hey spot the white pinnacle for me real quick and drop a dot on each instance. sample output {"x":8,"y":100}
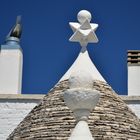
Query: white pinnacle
{"x":80,"y":97}
{"x":84,"y":31}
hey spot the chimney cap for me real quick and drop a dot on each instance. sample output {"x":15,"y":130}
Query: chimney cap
{"x":133,"y":51}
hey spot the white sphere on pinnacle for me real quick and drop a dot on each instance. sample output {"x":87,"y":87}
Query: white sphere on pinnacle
{"x":83,"y":15}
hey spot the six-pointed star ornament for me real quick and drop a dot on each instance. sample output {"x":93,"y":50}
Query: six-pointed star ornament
{"x":84,"y":32}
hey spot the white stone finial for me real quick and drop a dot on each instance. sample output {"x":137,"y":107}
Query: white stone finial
{"x":84,"y":31}
{"x":81,"y":98}
{"x":84,"y":15}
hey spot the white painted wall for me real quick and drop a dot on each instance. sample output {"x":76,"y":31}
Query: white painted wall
{"x":12,"y":113}
{"x":10,"y":71}
{"x":135,"y":108}
{"x":133,"y":80}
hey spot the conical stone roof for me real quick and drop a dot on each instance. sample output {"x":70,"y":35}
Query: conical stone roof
{"x":51,"y":119}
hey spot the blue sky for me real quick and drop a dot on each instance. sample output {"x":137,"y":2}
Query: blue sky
{"x":48,"y":53}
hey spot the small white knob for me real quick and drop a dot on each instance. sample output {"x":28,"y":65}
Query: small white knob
{"x":83,"y":15}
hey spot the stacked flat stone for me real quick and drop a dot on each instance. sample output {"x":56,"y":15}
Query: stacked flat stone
{"x":51,"y":119}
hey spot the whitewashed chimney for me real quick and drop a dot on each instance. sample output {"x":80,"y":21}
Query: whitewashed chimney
{"x":11,"y":60}
{"x":133,"y":62}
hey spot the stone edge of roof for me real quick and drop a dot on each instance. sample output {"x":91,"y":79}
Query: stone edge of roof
{"x":40,"y":96}
{"x":21,"y":96}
